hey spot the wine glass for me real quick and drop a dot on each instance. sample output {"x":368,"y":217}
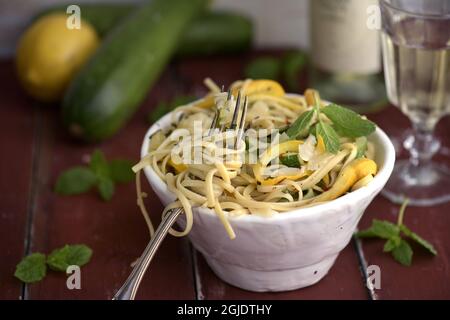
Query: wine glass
{"x":416,"y":54}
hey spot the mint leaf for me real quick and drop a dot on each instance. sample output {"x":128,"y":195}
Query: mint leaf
{"x":75,"y":181}
{"x":313,"y":130}
{"x":392,"y":243}
{"x":329,"y":136}
{"x":399,"y":248}
{"x":380,"y":229}
{"x":100,"y":173}
{"x":403,"y":253}
{"x":368,"y":233}
{"x":347,"y":122}
{"x":361,"y":147}
{"x":106,"y":188}
{"x":418,"y":239}
{"x":60,"y":259}
{"x":32,"y":268}
{"x":300,"y":128}
{"x":385,"y":229}
{"x":263,"y":68}
{"x":121,"y":170}
{"x":99,"y":165}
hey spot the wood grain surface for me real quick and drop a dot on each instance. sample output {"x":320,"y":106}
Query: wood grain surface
{"x":35,"y":149}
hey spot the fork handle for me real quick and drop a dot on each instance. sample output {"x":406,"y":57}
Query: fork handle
{"x":131,"y":285}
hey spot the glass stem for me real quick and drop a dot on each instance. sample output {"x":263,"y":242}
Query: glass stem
{"x":422,"y":145}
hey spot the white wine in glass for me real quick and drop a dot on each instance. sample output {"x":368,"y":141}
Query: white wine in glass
{"x":416,"y":53}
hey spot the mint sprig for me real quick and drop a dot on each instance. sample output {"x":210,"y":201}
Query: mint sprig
{"x":396,"y":236}
{"x":347,"y":122}
{"x":342,"y":122}
{"x":33,"y":268}
{"x":100,"y":173}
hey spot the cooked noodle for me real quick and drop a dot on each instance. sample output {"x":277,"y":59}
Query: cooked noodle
{"x":225,"y":181}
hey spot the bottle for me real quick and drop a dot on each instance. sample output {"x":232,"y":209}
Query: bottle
{"x":346,"y":54}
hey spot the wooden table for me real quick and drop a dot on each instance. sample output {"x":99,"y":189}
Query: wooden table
{"x":35,"y":149}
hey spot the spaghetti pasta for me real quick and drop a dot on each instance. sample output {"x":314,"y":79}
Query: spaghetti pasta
{"x":226,"y":180}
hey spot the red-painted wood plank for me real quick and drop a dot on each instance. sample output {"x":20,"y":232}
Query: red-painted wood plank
{"x":344,"y":281}
{"x":428,"y":277}
{"x":17,"y":124}
{"x":115,"y":230}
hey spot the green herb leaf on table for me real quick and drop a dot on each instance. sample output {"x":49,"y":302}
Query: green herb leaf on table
{"x":106,"y":188}
{"x":392,"y":243}
{"x":99,"y":165}
{"x":299,"y":129}
{"x":347,"y":122}
{"x":403,"y":253}
{"x":60,"y":259}
{"x":418,"y":239}
{"x":380,"y":229}
{"x":398,"y":246}
{"x":32,"y":268}
{"x":75,"y":181}
{"x":99,"y":173}
{"x":329,"y":136}
{"x":263,"y":68}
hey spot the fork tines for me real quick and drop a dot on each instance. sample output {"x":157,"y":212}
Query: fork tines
{"x":239,"y":114}
{"x":241,"y":130}
{"x":234,"y":120}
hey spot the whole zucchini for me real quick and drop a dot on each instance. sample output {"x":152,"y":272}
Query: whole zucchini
{"x":108,"y":90}
{"x":210,"y":33}
{"x":216,"y":32}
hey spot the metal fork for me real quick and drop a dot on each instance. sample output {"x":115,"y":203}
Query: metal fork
{"x":129,"y":288}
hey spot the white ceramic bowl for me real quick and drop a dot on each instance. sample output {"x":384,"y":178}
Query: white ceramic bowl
{"x":287,"y":251}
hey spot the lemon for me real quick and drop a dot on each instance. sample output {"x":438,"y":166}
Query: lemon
{"x":49,"y":54}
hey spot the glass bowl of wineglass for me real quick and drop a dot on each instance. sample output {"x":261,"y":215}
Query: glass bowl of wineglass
{"x":416,"y":54}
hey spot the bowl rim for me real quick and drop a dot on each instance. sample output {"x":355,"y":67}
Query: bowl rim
{"x":378,"y":182}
